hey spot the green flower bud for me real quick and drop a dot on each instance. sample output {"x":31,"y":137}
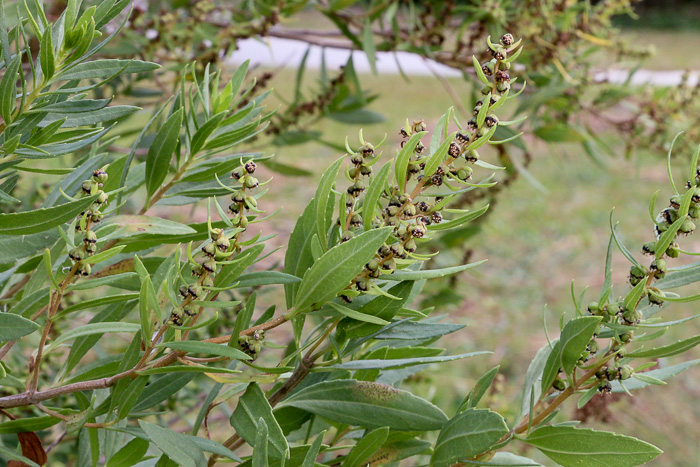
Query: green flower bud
{"x":190,"y":310}
{"x":209,"y":249}
{"x":419,"y":125}
{"x":90,"y":237}
{"x":251,"y":182}
{"x":235,"y":208}
{"x":215,"y":234}
{"x":365,"y":170}
{"x":237,"y":173}
{"x":352,"y":172}
{"x":491,"y":120}
{"x":486,"y":90}
{"x":593,"y":347}
{"x":102,"y":198}
{"x":675,"y":201}
{"x":96,"y":218}
{"x":631,"y":316}
{"x":76,"y":254}
{"x":84,"y":269}
{"x":694,"y":212}
{"x":362,"y":285}
{"x":250,"y":167}
{"x":626,"y":337}
{"x":398,"y":251}
{"x":251,"y":201}
{"x":593,"y":308}
{"x":409,"y":210}
{"x":357,"y":159}
{"x":410,"y":246}
{"x":183,"y":291}
{"x":356,"y":220}
{"x":208,"y":282}
{"x":673,"y":251}
{"x":347,"y":235}
{"x":100,"y":175}
{"x":605,"y":387}
{"x":649,"y":248}
{"x":87,"y":186}
{"x":653,"y":299}
{"x":389,"y":265}
{"x":195,"y":290}
{"x":625,"y":372}
{"x":243,"y":221}
{"x":559,"y":384}
{"x":611,"y":373}
{"x":222,"y":243}
{"x":176,"y":318}
{"x":687,"y":227}
{"x":391,"y":211}
{"x":417,"y":230}
{"x":209,"y":266}
{"x":471,"y":156}
{"x":91,"y":248}
{"x":237,"y":197}
{"x":465,"y":173}
{"x":658,"y":268}
{"x":373,"y":264}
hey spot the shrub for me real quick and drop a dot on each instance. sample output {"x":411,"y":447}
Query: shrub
{"x":185,"y":296}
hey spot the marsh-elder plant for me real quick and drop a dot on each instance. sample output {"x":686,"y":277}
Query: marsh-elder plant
{"x":132,"y":339}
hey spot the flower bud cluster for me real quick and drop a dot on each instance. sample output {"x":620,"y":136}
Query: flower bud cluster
{"x":251,"y":345}
{"x":620,"y":314}
{"x":411,"y":212}
{"x":90,"y":187}
{"x":241,"y":201}
{"x":221,"y":245}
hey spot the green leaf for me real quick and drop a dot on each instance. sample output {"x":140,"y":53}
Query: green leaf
{"x":382,"y":307}
{"x":578,"y":447}
{"x":403,"y":158}
{"x":368,"y":45}
{"x":481,"y":387}
{"x":298,"y":258}
{"x":406,"y":275}
{"x":377,"y":364}
{"x":14,"y":326}
{"x":679,"y":278}
{"x":133,"y":226}
{"x":312,"y":453}
{"x":661,"y":374}
{"x":368,"y":404}
{"x":532,"y":390}
{"x":336,"y":268}
{"x":46,"y":55}
{"x":367,"y":446}
{"x":28,"y":424}
{"x":161,"y":152}
{"x":666,"y":350}
{"x":176,"y":446}
{"x":412,"y":330}
{"x":356,"y":315}
{"x":259,"y":458}
{"x":92,"y":328}
{"x":207,"y":348}
{"x":480,"y":71}
{"x":438,"y":157}
{"x":574,"y":338}
{"x":323,"y":193}
{"x":253,"y":406}
{"x":130,"y":454}
{"x":258,"y":278}
{"x":458,"y":221}
{"x":105,"y":69}
{"x":162,"y":389}
{"x":8,"y":89}
{"x":204,"y":132}
{"x":467,"y":435}
{"x":147,"y":297}
{"x":372,"y":195}
{"x":105,"y":255}
{"x":39,"y":220}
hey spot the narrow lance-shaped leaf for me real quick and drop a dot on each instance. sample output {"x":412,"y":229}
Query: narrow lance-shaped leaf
{"x":253,"y":406}
{"x":467,"y":435}
{"x":368,"y":404}
{"x":39,"y":220}
{"x":336,"y":268}
{"x":161,"y":151}
{"x":374,"y":191}
{"x":576,"y":447}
